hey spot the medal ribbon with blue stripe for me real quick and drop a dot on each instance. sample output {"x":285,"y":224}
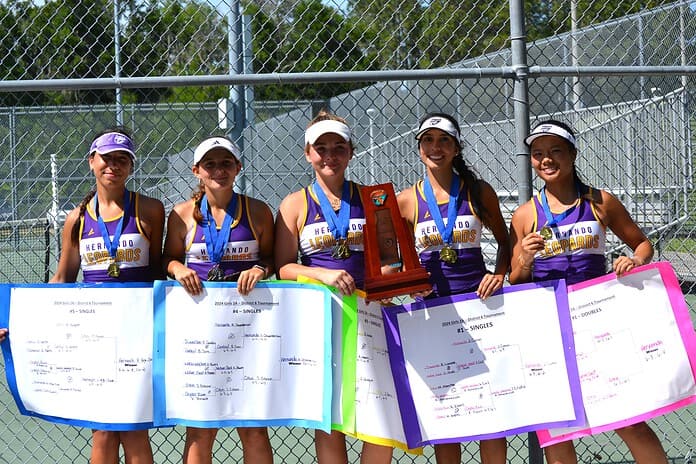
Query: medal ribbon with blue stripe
{"x":338,"y":224}
{"x":215,"y":240}
{"x":553,"y":219}
{"x":445,"y":230}
{"x":112,"y":244}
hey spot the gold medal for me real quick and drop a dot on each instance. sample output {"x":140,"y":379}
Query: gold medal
{"x":113,"y":270}
{"x":546,"y":233}
{"x":216,"y":274}
{"x":448,"y":255}
{"x":340,"y":250}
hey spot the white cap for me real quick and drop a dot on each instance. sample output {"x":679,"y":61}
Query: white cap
{"x":327,"y":126}
{"x":438,"y":122}
{"x":212,"y":143}
{"x":550,"y":129}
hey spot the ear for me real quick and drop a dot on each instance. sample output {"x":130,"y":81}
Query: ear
{"x":194,"y":170}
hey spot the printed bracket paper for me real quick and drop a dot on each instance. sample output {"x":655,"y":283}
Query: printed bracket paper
{"x":80,"y":354}
{"x":468,"y":369}
{"x":225,"y":359}
{"x":377,"y":416}
{"x":344,"y":334}
{"x":636,"y":349}
{"x":355,"y":371}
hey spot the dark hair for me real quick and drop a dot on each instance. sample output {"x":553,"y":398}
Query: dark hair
{"x":582,"y":186}
{"x":75,"y":232}
{"x":467,"y":174}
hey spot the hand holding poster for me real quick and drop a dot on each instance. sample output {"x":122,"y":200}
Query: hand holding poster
{"x":636,"y":349}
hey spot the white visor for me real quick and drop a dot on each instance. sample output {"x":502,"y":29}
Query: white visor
{"x":438,"y":122}
{"x":327,"y":126}
{"x":550,"y":129}
{"x":212,"y":143}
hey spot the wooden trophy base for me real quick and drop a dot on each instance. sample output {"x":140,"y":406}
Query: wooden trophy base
{"x":401,"y":283}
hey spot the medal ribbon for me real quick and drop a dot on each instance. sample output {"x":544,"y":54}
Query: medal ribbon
{"x":215,"y":240}
{"x":553,"y":219}
{"x":445,"y":231}
{"x":338,"y":224}
{"x":112,"y":244}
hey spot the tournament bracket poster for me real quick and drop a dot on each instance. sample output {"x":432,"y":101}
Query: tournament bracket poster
{"x":80,"y":354}
{"x":636,"y":349}
{"x":472,"y":369}
{"x":226,"y":359}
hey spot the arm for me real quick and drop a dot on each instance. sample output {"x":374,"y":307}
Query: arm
{"x":175,"y":249}
{"x":620,"y":222}
{"x":69,"y":262}
{"x":262,"y":220}
{"x":525,"y":244}
{"x":287,"y":236}
{"x":492,"y":282}
{"x":151,"y":216}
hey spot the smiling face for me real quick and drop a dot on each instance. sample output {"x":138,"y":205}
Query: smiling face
{"x":217,"y":169}
{"x":437,"y":149}
{"x":329,"y":155}
{"x":552,"y":158}
{"x":111,"y":169}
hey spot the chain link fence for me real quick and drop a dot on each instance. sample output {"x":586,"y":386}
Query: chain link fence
{"x":176,"y":71}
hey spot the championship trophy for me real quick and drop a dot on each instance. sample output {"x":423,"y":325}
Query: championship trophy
{"x":389,"y":244}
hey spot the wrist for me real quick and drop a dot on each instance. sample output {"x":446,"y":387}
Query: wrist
{"x":263,"y":269}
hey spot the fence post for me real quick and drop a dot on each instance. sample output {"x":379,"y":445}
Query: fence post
{"x":518,"y":46}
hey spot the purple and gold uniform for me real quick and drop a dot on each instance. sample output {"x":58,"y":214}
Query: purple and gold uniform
{"x":316,"y":240}
{"x":241,"y":251}
{"x":132,"y":256}
{"x":466,"y":273}
{"x":576,"y":250}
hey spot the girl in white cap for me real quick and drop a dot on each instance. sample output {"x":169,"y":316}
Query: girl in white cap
{"x":204,"y":235}
{"x":565,"y":204}
{"x":127,"y":228}
{"x":323,"y":223}
{"x":451,"y":250}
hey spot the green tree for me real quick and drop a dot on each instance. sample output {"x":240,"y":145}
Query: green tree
{"x":311,"y":37}
{"x":176,"y":37}
{"x":13,"y":61}
{"x":70,"y":39}
{"x":454,"y":31}
{"x":387,"y":32}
